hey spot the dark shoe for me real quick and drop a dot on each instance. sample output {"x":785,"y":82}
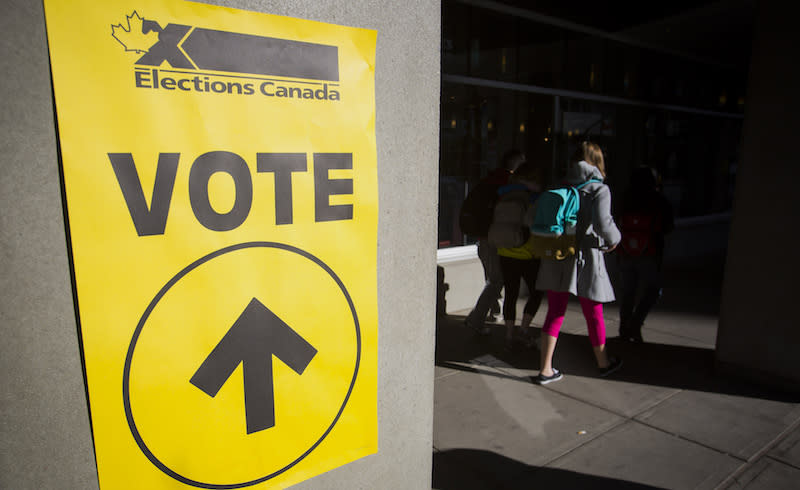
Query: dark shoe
{"x":543,"y":380}
{"x":635,"y":334}
{"x":614,"y":364}
{"x":635,"y":337}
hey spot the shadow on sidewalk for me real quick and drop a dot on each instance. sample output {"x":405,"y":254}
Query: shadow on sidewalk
{"x":672,"y":366}
{"x":691,"y":287}
{"x":472,"y":469}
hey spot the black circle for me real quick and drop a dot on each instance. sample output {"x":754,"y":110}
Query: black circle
{"x":127,"y":371}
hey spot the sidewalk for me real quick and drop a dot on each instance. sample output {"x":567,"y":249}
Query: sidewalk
{"x":665,"y":420}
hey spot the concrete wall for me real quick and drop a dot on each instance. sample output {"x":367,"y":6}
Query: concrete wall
{"x":758,"y":330}
{"x":45,"y":438}
{"x":463,"y":274}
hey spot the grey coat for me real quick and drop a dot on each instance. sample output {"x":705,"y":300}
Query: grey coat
{"x":584,"y":274}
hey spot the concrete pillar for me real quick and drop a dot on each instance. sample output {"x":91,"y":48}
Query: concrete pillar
{"x":45,"y":436}
{"x":759,"y":329}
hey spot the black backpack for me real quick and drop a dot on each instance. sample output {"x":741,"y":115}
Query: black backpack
{"x":477,"y":209}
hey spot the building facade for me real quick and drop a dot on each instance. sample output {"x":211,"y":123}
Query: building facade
{"x":532,"y":77}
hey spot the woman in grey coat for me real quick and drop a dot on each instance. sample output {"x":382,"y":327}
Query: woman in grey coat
{"x":583,"y":274}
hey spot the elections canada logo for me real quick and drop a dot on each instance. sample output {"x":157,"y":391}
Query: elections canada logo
{"x":185,"y":58}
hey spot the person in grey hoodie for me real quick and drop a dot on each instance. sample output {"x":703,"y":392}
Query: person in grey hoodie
{"x":583,"y":274}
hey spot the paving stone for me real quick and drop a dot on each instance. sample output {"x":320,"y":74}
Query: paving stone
{"x":441,"y":372}
{"x":639,"y":454}
{"x":788,"y":450}
{"x":767,"y":474}
{"x":471,"y":469}
{"x":738,"y":425}
{"x":698,"y":327}
{"x":655,"y":336}
{"x":463,"y":312}
{"x":621,"y":397}
{"x":475,"y":469}
{"x":690,"y":427}
{"x":642,"y":382}
{"x":511,"y":417}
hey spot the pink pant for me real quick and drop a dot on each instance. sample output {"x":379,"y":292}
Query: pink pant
{"x":592,"y":312}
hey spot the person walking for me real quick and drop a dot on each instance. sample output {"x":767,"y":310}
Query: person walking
{"x":645,"y":220}
{"x":511,"y":225}
{"x":475,"y":219}
{"x":583,"y":274}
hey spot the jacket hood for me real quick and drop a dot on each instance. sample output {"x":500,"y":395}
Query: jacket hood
{"x":582,"y":171}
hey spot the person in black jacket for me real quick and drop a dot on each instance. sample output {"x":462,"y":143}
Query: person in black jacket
{"x":645,"y":220}
{"x":488,"y":299}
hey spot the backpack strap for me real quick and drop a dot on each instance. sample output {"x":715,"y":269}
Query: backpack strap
{"x":580,"y":186}
{"x":580,"y":239}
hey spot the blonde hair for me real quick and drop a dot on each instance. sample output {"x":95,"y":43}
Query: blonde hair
{"x":591,"y":154}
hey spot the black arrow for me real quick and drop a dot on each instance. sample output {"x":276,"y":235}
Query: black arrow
{"x":254,"y":338}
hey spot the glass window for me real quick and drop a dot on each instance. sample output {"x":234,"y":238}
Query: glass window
{"x":455,"y":38}
{"x":493,"y":46}
{"x":696,"y":156}
{"x":541,"y":54}
{"x":585,"y":62}
{"x":478,"y":126}
{"x":535,"y":130}
{"x":581,"y":120}
{"x":656,"y":77}
{"x":622,"y":70}
{"x":700,"y":85}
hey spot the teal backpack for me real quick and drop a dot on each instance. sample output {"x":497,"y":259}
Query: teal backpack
{"x":554,"y":221}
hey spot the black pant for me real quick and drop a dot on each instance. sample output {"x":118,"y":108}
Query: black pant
{"x":513,"y":271}
{"x":641,"y":288}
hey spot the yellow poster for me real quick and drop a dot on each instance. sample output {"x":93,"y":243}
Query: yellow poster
{"x":220,"y":175}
